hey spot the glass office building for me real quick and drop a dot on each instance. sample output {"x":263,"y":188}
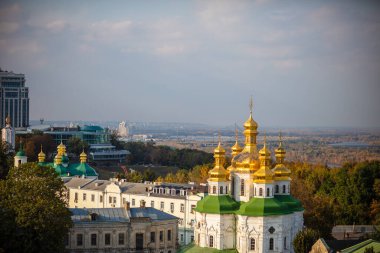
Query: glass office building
{"x":14,"y":99}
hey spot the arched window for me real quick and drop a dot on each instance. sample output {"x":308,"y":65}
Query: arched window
{"x":242,"y":187}
{"x":277,"y":188}
{"x":261,"y":192}
{"x":268,"y":192}
{"x":252,"y":244}
{"x":271,"y":244}
{"x":232,"y":186}
{"x":284,"y":242}
{"x":226,"y":189}
{"x":211,"y":241}
{"x":214,"y":189}
{"x":221,"y":190}
{"x":283,"y":189}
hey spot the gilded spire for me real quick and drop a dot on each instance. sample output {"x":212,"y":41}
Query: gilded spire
{"x":83,"y":157}
{"x":61,"y":149}
{"x":236,"y":149}
{"x":250,"y":131}
{"x":218,"y":173}
{"x":280,"y":171}
{"x":264,"y":174}
{"x":41,"y":156}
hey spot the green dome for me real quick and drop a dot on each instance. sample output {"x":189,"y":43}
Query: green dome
{"x":65,"y":159}
{"x":20,"y":153}
{"x":223,"y":204}
{"x":293,"y":204}
{"x":263,"y":207}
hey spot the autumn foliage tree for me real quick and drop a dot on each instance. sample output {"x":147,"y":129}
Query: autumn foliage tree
{"x":33,"y":215}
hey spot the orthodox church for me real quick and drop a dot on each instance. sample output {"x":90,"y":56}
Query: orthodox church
{"x":61,"y":163}
{"x":248,"y":207}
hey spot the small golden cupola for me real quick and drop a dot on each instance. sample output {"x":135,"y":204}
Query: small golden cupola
{"x":41,"y":156}
{"x":250,"y":131}
{"x":83,"y":157}
{"x":280,"y":171}
{"x":264,"y":174}
{"x":218,"y":173}
{"x":61,"y":149}
{"x":236,"y":149}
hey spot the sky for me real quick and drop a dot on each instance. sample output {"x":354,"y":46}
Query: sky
{"x":305,"y":63}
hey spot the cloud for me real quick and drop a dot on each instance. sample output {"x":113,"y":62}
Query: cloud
{"x":10,"y":12}
{"x":56,"y":25}
{"x":9,"y":27}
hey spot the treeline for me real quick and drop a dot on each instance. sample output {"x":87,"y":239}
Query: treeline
{"x":340,"y":196}
{"x":148,"y":153}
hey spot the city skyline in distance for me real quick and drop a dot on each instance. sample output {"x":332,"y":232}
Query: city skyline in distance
{"x":305,"y":64}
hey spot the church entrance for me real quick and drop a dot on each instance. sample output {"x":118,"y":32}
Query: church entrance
{"x":139,"y":241}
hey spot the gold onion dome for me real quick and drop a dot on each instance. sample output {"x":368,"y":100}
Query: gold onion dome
{"x":281,"y":172}
{"x":236,"y":149}
{"x":58,"y":159}
{"x":264,"y":174}
{"x":218,"y":173}
{"x":83,"y":157}
{"x":61,"y":148}
{"x":41,"y":156}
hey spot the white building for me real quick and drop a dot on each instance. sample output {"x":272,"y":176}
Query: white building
{"x":249,"y":207}
{"x":175,"y":199}
{"x":8,"y":133}
{"x":122,"y":131}
{"x":141,"y":229}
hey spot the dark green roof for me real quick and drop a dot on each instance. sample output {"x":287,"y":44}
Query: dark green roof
{"x":87,"y":128}
{"x":293,"y":204}
{"x":360,"y":247}
{"x":65,"y":159}
{"x":75,"y":169}
{"x":217,"y":204}
{"x":263,"y":207}
{"x":20,"y":153}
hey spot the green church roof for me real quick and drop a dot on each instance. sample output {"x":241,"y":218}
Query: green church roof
{"x":263,"y":207}
{"x":293,"y":204}
{"x":20,"y":153}
{"x":74,"y":169}
{"x":361,"y":247}
{"x":223,"y":204}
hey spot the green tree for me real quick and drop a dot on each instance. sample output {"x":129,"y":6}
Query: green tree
{"x":369,"y":250}
{"x":135,"y":177}
{"x":149,"y":175}
{"x":76,"y":145}
{"x":33,"y":215}
{"x":304,"y":240}
{"x":6,"y":159}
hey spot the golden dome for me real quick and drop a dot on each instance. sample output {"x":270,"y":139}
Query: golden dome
{"x":250,"y":123}
{"x":236,"y":149}
{"x":41,"y":156}
{"x":58,"y":159}
{"x":61,"y":148}
{"x":83,"y":157}
{"x":264,"y":174}
{"x":280,"y":171}
{"x":218,"y":173}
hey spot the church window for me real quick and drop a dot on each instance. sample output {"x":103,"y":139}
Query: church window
{"x":211,"y":243}
{"x":271,"y":244}
{"x":253,"y":244}
{"x":84,"y":196}
{"x":261,"y":192}
{"x":268,"y":192}
{"x":283,"y":189}
{"x":79,"y":239}
{"x":255,"y":191}
{"x":214,"y":189}
{"x":233,"y":186}
{"x":101,"y":199}
{"x":221,"y":190}
{"x":199,"y":238}
{"x":277,"y":189}
{"x":226,"y":189}
{"x":242,"y":187}
{"x":284,"y":242}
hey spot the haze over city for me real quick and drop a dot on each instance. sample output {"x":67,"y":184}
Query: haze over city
{"x":306,"y":64}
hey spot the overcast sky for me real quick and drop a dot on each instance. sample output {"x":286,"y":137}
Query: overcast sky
{"x":306,"y":63}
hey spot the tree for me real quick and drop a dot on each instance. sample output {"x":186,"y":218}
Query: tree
{"x":6,"y":159}
{"x":76,"y":145}
{"x":33,"y":215}
{"x":304,"y":240}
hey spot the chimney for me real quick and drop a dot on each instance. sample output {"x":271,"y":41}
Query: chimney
{"x":142,"y":203}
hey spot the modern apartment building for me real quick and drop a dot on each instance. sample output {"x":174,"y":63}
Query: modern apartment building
{"x":14,"y":99}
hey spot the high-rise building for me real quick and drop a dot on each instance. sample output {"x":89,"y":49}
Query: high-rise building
{"x":14,"y":99}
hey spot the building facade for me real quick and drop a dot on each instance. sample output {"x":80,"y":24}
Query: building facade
{"x":14,"y":99}
{"x":141,"y":229}
{"x":175,"y":199}
{"x":249,"y":207}
{"x":8,"y":133}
